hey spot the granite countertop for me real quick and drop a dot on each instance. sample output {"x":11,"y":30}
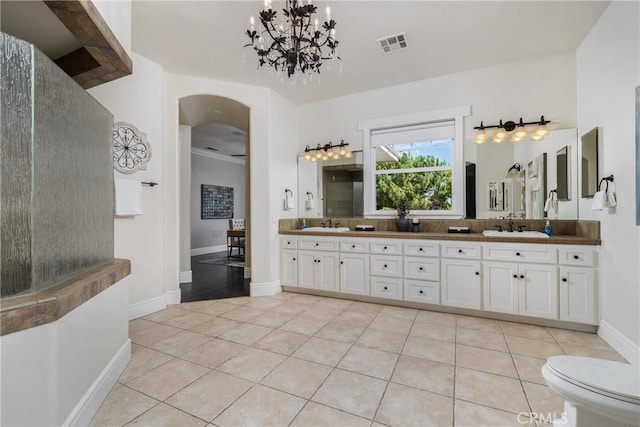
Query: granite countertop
{"x":470,"y":237}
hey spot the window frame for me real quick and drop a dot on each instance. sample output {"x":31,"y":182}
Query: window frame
{"x":456,"y":115}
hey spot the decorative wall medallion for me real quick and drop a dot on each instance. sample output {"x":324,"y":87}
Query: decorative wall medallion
{"x":131,"y":151}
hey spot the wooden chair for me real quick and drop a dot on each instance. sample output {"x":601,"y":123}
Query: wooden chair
{"x":235,"y":237}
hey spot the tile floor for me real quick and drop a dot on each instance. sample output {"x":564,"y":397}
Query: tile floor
{"x":302,"y":360}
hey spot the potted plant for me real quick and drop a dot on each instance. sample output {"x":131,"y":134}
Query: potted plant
{"x":402,"y":223}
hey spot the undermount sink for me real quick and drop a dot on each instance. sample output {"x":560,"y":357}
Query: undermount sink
{"x":521,"y":234}
{"x":327,"y":229}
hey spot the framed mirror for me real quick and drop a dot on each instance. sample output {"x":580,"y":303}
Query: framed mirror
{"x":589,"y":162}
{"x":563,"y":174}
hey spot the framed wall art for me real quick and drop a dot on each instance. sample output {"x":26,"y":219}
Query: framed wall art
{"x":217,"y":202}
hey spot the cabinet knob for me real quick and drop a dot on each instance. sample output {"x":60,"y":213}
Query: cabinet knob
{"x":385,"y":288}
{"x":517,"y":253}
{"x":317,"y":244}
{"x":459,"y":251}
{"x":421,"y":292}
{"x":341,"y":262}
{"x":522,"y":276}
{"x":385,"y":248}
{"x":564,"y":279}
{"x":318,"y":261}
{"x":385,"y":266}
{"x":420,"y":250}
{"x":421,"y":269}
{"x":294,"y":259}
{"x":353,"y":246}
{"x":515,"y":276}
{"x":477,"y":273}
{"x":576,"y":257}
{"x":288,"y":243}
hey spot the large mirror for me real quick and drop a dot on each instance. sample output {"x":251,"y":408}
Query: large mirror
{"x":333,"y":188}
{"x":589,"y":164}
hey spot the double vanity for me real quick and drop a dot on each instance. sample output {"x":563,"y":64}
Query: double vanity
{"x":512,"y":276}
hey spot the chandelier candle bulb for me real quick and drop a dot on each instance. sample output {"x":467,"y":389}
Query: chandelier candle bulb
{"x":328,"y":10}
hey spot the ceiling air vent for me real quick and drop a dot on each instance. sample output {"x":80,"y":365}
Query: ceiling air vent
{"x":393,"y":43}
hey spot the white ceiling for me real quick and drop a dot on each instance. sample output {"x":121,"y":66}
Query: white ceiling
{"x":206,"y":38}
{"x":224,"y":139}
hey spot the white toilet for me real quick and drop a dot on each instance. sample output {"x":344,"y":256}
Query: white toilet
{"x":597,"y":392}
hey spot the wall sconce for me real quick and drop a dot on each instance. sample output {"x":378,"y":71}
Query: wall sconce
{"x":327,"y":151}
{"x":517,"y":131}
{"x":515,"y":171}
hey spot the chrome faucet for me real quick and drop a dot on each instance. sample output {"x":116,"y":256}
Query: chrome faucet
{"x":329,"y":222}
{"x":510,"y":229}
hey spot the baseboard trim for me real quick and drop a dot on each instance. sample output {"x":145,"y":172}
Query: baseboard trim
{"x":265,"y":289}
{"x":174,"y":297}
{"x":208,"y":250}
{"x":87,"y":407}
{"x":620,"y":343}
{"x":186,"y":276}
{"x":149,"y":306}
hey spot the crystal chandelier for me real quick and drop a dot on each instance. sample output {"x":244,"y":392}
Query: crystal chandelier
{"x":294,"y":43}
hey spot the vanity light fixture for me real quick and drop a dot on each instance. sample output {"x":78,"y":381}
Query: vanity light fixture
{"x":516,"y":130}
{"x":327,"y":151}
{"x":515,"y":171}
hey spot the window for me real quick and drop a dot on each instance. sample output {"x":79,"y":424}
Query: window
{"x":419,"y":159}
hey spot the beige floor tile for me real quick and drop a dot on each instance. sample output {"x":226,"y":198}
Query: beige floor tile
{"x":314,"y":414}
{"x":582,"y":339}
{"x":334,"y":303}
{"x":527,"y":347}
{"x":526,"y":331}
{"x":242,"y":313}
{"x":319,"y":350}
{"x":217,"y":308}
{"x":304,"y":325}
{"x":542,"y":399}
{"x":187,"y":320}
{"x":321,"y":313}
{"x":424,"y":348}
{"x":480,"y":359}
{"x":142,"y":360}
{"x":341,"y":330}
{"x":138,"y":325}
{"x":272,"y":319}
{"x":357,"y":317}
{"x":437,"y":318}
{"x":261,"y":406}
{"x":469,"y":414}
{"x":575,"y":350}
{"x":406,"y":406}
{"x":166,"y":416}
{"x":263,"y":303}
{"x":369,"y":361}
{"x":196,"y":305}
{"x":392,"y":324}
{"x":166,"y":314}
{"x":252,"y":364}
{"x":246,"y":333}
{"x":121,"y":406}
{"x":209,"y":395}
{"x":350,"y":392}
{"x":399,"y":312}
{"x":479,"y":324}
{"x":381,"y":340}
{"x":297,"y":377}
{"x":180,"y":343}
{"x":424,"y":329}
{"x":167,"y":379}
{"x":305,"y":299}
{"x":530,"y":368}
{"x":490,"y":390}
{"x":291,"y":307}
{"x":283,"y":342}
{"x":213,"y":353}
{"x":476,"y":338}
{"x":424,"y":374}
{"x":365,"y":307}
{"x":238,"y":300}
{"x":153,"y":334}
{"x":216,"y":326}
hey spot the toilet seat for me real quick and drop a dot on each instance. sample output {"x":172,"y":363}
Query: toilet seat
{"x":612,"y":379}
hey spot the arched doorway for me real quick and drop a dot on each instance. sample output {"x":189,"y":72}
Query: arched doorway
{"x":214,"y":188}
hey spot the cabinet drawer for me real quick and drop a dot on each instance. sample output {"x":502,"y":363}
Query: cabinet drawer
{"x":386,"y":247}
{"x":386,"y":287}
{"x":318,"y":244}
{"x":418,"y":248}
{"x":389,"y":266}
{"x":427,"y":292}
{"x":357,"y":246}
{"x":461,"y":250}
{"x":577,"y":255}
{"x":538,"y":253}
{"x":422,"y":268}
{"x":288,"y":243}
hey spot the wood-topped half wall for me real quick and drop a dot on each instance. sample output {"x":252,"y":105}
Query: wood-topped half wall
{"x":102,"y":58}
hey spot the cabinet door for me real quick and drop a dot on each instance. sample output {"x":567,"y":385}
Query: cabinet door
{"x":354,"y":274}
{"x":289,"y":268}
{"x":461,"y":284}
{"x":538,"y":290}
{"x":500,"y":286}
{"x":577,"y":295}
{"x":306,"y":269}
{"x":327,"y":273}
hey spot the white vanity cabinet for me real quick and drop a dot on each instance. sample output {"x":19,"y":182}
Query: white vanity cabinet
{"x":318,"y":263}
{"x":289,"y":261}
{"x":422,"y":271}
{"x":461,"y":284}
{"x":577,"y":282}
{"x":354,"y":273}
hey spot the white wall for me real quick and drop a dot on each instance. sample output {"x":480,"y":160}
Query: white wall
{"x":608,"y":62}
{"x":59,"y":373}
{"x":185,"y":203}
{"x":138,"y":99}
{"x":210,"y":233}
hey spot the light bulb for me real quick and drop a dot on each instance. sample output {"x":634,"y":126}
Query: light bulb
{"x":342,"y":151}
{"x":542,"y":130}
{"x":500,"y":134}
{"x":481,"y":136}
{"x":348,"y":154}
{"x":520,"y":132}
{"x":328,"y":10}
{"x":325,"y":157}
{"x":313,"y":159}
{"x":307,"y":155}
{"x":318,"y":155}
{"x":536,"y":137}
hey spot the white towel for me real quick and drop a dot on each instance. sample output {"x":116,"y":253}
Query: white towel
{"x":309,"y":204}
{"x":289,"y":204}
{"x":128,"y":197}
{"x":611,"y":199}
{"x":552,"y":202}
{"x":598,"y":201}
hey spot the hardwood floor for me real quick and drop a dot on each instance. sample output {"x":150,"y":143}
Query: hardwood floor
{"x":214,"y":281}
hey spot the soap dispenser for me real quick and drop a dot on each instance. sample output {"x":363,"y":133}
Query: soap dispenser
{"x":304,"y":224}
{"x":547,"y":229}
